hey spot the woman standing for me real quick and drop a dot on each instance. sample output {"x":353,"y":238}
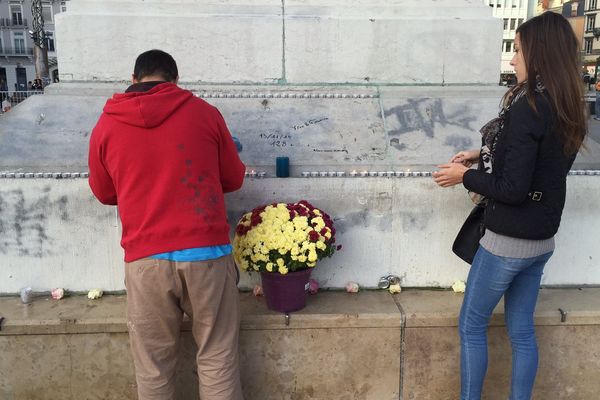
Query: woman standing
{"x":524,"y":160}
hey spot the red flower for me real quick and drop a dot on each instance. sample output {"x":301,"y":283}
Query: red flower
{"x":313,"y":236}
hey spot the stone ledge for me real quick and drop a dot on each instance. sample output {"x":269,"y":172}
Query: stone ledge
{"x":435,"y":308}
{"x":368,"y":309}
{"x":77,"y":314}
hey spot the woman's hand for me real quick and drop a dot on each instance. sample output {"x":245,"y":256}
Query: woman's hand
{"x":466,"y":158}
{"x":449,"y":174}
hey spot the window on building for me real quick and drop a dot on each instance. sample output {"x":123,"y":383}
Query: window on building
{"x":507,"y":46}
{"x":63,"y":6}
{"x":514,"y":3}
{"x":592,"y":4}
{"x":19,"y":41}
{"x":505,"y":24}
{"x":16,"y":13}
{"x":513,"y":23}
{"x":574,"y":8}
{"x":50,"y":41}
{"x":591,"y":22}
{"x":47,"y":13}
{"x":589,"y":43}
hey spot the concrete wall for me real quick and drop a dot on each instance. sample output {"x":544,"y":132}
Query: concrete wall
{"x":54,"y":234}
{"x":290,"y":41}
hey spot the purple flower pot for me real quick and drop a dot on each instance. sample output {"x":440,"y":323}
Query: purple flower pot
{"x":286,"y":293}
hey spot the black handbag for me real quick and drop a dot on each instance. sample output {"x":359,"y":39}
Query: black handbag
{"x":467,"y":241}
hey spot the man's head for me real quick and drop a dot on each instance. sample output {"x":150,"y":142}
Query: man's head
{"x":155,"y":65}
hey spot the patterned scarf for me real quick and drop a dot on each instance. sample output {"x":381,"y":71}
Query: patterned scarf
{"x":492,"y":130}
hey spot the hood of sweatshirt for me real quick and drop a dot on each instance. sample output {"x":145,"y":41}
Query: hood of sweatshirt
{"x":147,"y":109}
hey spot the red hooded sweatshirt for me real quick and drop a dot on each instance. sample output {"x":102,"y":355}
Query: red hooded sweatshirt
{"x":165,"y":157}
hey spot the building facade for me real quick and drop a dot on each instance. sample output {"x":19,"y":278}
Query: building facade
{"x":591,"y":38}
{"x":513,"y":13}
{"x":16,"y":46}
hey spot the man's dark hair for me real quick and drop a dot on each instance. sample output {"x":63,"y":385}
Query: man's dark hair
{"x":155,"y":62}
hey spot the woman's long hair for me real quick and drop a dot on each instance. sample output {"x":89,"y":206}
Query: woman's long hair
{"x":551,"y":52}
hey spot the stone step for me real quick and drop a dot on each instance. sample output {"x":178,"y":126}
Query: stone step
{"x":369,"y":345}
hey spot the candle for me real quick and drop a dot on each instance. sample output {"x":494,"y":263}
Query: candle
{"x":323,"y":174}
{"x":26,"y":295}
{"x":305,"y":174}
{"x":381,"y":173}
{"x":373,"y":173}
{"x":253,"y":174}
{"x":364,"y":173}
{"x":353,"y":173}
{"x":340,"y":173}
{"x":331,"y":174}
{"x":314,"y":174}
{"x":282,"y":167}
{"x":262,"y":174}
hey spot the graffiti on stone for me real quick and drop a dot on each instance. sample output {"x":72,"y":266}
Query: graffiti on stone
{"x":24,"y":222}
{"x":430,"y":117}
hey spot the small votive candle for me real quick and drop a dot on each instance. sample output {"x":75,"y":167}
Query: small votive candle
{"x":390,"y":173}
{"x":305,"y":174}
{"x":323,"y":174}
{"x":364,"y":173}
{"x":353,"y":173}
{"x":381,"y":173}
{"x":314,"y":174}
{"x":26,"y":295}
{"x":373,"y":173}
{"x":252,"y":174}
{"x":400,"y":174}
{"x":340,"y":173}
{"x":262,"y":174}
{"x":331,"y":174}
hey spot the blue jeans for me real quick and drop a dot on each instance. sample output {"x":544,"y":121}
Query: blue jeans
{"x":489,"y":279}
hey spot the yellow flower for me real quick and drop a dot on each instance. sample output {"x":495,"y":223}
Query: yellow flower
{"x":312,"y":256}
{"x":316,"y":211}
{"x":311,"y":265}
{"x":280,"y":262}
{"x":270,"y":266}
{"x":283,"y":270}
{"x":302,"y":258}
{"x":321,"y":245}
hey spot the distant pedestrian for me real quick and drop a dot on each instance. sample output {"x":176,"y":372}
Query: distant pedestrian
{"x":37,"y":84}
{"x":597,"y":108}
{"x":521,"y":180}
{"x":6,"y":106}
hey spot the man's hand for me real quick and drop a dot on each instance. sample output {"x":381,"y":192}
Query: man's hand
{"x":449,"y":174}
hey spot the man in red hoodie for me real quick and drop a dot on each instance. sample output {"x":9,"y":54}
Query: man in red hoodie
{"x":165,"y":158}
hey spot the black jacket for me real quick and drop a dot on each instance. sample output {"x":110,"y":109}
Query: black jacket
{"x":527,"y":187}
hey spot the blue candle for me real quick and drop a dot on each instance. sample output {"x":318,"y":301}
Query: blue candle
{"x":282,"y":165}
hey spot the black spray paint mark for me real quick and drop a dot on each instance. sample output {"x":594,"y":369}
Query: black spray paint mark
{"x":24,"y":223}
{"x":424,"y":114}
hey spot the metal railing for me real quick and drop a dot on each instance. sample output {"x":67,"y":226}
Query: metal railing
{"x":13,"y":22}
{"x":14,"y":97}
{"x":16,"y":51}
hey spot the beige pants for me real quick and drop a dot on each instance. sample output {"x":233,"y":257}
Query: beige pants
{"x":158,"y":293}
